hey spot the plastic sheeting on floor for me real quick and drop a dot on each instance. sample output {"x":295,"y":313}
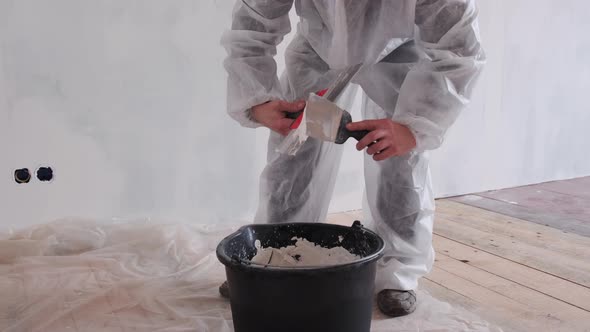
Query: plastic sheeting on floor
{"x":82,"y":275}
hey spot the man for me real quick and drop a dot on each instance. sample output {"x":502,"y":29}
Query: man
{"x":420,"y":60}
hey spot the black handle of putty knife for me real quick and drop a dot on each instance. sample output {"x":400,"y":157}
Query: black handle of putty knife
{"x":293,"y":115}
{"x":358,"y":134}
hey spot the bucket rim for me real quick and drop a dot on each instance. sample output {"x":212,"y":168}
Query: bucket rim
{"x":246,"y":264}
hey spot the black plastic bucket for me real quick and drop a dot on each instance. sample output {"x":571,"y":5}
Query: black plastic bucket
{"x":335,"y":298}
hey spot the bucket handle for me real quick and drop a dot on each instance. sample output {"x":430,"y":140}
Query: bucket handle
{"x":357,"y":224}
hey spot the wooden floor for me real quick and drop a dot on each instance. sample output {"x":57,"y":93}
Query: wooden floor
{"x":519,"y":257}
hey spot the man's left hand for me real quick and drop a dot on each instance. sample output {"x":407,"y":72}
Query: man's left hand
{"x":386,"y":138}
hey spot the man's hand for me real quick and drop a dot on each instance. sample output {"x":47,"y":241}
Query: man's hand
{"x":272,"y":115}
{"x":385,"y":139}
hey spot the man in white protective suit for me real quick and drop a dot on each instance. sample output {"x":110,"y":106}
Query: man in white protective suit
{"x":420,"y":61}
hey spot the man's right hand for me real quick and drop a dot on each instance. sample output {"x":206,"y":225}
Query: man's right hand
{"x":272,"y":114}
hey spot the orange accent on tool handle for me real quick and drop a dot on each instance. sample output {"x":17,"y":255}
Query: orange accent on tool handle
{"x":297,"y":122}
{"x":322,"y":93}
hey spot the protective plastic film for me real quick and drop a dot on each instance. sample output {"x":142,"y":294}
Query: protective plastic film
{"x":86,"y":275}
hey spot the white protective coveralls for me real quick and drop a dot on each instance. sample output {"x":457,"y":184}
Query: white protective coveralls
{"x":421,"y":59}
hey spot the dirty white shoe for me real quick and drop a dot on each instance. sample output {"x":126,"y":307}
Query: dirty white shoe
{"x":395,"y":303}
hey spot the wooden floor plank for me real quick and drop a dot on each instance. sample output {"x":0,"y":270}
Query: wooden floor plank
{"x":555,"y":263}
{"x":544,"y":201}
{"x":576,"y":187}
{"x":495,"y":317}
{"x":547,"y":284}
{"x":345,"y":218}
{"x":499,"y":307}
{"x":552,"y":314}
{"x":518,"y":229}
{"x":522,"y":266}
{"x":445,"y":294}
{"x":563,"y":223}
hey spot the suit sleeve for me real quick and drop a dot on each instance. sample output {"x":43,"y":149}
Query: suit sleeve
{"x":437,"y":88}
{"x":258,"y":26}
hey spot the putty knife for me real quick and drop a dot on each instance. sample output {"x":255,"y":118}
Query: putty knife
{"x":325,"y":120}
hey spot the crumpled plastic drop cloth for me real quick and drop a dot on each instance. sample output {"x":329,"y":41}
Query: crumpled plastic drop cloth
{"x":87,"y":275}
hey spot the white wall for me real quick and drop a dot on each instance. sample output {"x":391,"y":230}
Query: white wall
{"x":125,"y":100}
{"x":530,"y":115}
